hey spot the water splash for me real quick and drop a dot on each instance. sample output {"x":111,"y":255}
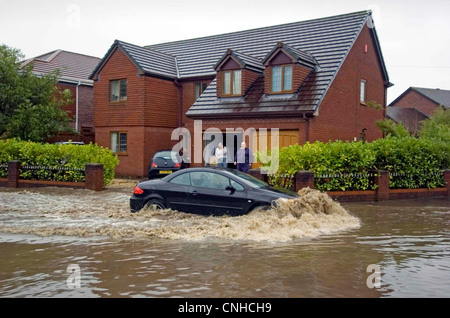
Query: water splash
{"x":87,"y":214}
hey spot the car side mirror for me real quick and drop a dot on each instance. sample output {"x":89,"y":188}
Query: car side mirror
{"x":231,"y":189}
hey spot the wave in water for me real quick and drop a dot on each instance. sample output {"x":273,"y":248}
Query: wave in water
{"x":87,"y":214}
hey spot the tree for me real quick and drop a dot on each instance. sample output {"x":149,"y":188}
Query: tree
{"x":30,"y":106}
{"x":391,"y":128}
{"x":437,"y":126}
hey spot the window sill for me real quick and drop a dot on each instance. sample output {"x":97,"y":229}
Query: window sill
{"x":227,"y":96}
{"x":282,"y":92}
{"x":363,"y":103}
{"x":120,"y":102}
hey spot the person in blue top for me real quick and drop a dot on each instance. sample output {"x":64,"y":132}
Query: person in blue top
{"x":243,"y":158}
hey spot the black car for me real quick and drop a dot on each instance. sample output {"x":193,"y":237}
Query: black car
{"x":207,"y":191}
{"x":164,"y":162}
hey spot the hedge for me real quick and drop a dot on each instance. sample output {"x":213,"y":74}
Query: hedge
{"x":72,"y":157}
{"x":412,"y":162}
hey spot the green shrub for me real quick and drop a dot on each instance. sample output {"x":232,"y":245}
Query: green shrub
{"x":412,"y":162}
{"x":73,"y":157}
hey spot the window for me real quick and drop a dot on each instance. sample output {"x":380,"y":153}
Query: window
{"x":184,"y":179}
{"x":282,"y":78}
{"x":209,"y":180}
{"x":236,"y":186}
{"x":199,"y":89}
{"x":362,"y":93}
{"x":232,"y":82}
{"x":118,"y":90}
{"x":118,"y":142}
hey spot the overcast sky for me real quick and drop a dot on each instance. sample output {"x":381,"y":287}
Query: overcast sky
{"x":414,"y":34}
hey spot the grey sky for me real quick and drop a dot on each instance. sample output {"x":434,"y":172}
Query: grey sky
{"x":414,"y":34}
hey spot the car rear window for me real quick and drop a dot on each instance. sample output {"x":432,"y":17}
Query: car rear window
{"x":167,"y":155}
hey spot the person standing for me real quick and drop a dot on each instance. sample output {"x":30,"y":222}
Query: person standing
{"x":221,"y":154}
{"x":243,"y":158}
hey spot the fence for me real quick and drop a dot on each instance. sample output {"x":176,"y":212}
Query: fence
{"x":19,"y":176}
{"x":378,"y":184}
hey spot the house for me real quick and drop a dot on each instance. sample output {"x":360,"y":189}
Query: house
{"x":417,"y":104}
{"x":75,"y":70}
{"x":311,"y":80}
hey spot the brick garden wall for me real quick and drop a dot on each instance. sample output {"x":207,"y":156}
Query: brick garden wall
{"x":303,"y":179}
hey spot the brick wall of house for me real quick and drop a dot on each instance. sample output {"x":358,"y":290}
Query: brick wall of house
{"x":413,"y":99}
{"x":248,"y":79}
{"x":148,"y":116}
{"x":85,"y":106}
{"x":341,"y":115}
{"x":299,"y":75}
{"x":162,"y":102}
{"x":121,"y":113}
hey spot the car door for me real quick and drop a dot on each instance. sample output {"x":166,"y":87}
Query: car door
{"x":209,"y":195}
{"x":177,"y":193}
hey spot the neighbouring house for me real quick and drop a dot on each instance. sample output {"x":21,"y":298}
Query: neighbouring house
{"x":417,"y":104}
{"x":312,"y":80}
{"x":75,"y":70}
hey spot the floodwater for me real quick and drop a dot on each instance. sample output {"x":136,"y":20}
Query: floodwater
{"x":79,"y":243}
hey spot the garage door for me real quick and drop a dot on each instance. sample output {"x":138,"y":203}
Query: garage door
{"x":286,"y":138}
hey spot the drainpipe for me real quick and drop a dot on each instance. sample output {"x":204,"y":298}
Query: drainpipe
{"x":76,"y":107}
{"x":180,"y":106}
{"x":307,"y":117}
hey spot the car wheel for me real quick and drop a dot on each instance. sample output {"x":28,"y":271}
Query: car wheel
{"x":155,"y":204}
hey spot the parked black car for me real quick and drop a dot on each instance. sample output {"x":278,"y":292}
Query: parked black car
{"x":165,"y":162}
{"x":207,"y":191}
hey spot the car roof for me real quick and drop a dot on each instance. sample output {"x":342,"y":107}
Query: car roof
{"x":228,"y":171}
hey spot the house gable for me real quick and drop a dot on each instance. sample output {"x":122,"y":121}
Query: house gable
{"x":425,"y":100}
{"x":147,"y":62}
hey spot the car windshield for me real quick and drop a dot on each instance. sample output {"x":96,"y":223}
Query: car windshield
{"x":167,"y":155}
{"x":250,"y":180}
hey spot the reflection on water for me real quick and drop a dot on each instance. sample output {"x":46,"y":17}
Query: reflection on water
{"x":408,"y":240}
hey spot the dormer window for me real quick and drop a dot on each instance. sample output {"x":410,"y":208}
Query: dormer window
{"x":282,"y":78}
{"x":236,"y":72}
{"x":232,"y":82}
{"x":286,"y":69}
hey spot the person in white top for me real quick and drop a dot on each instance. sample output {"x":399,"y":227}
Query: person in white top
{"x":221,"y":154}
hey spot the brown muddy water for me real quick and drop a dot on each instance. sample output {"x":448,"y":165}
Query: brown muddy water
{"x":79,"y":243}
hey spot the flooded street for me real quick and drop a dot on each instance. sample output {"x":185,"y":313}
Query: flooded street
{"x":78,"y":243}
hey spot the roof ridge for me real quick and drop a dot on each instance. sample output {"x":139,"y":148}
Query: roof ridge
{"x":146,"y":48}
{"x":260,"y":28}
{"x":246,"y":54}
{"x":135,"y":52}
{"x":53,"y":54}
{"x":430,"y":89}
{"x":81,"y":54}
